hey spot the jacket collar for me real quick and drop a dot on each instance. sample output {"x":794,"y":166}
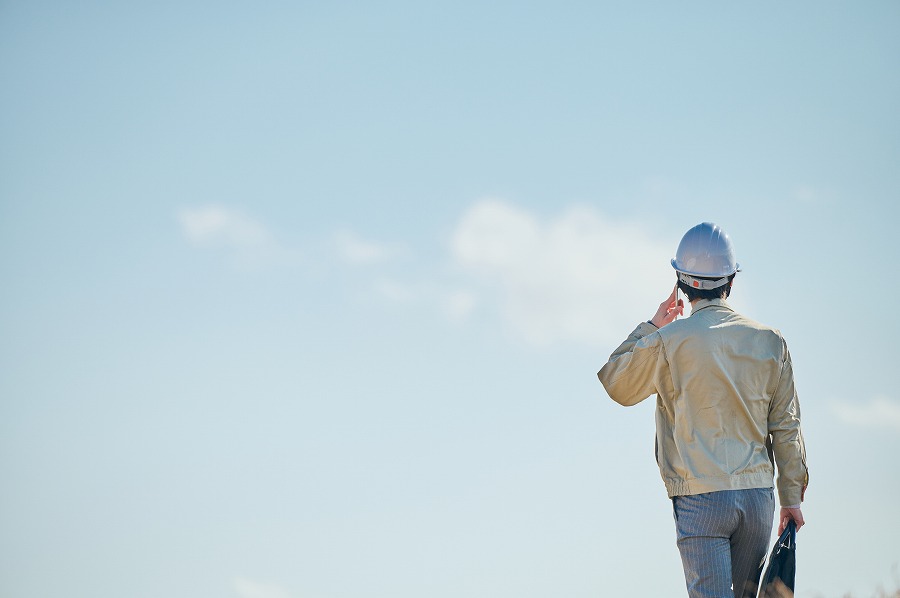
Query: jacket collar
{"x":714,"y":303}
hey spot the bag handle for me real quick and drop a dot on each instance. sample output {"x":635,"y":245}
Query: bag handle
{"x":788,"y":537}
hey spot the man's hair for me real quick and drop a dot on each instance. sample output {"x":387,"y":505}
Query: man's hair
{"x":721,"y":292}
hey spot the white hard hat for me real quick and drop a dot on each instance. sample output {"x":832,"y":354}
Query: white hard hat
{"x":705,"y":251}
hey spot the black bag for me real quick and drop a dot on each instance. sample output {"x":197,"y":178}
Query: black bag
{"x":782,"y":565}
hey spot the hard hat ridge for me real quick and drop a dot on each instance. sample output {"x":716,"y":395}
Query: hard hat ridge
{"x":705,"y":251}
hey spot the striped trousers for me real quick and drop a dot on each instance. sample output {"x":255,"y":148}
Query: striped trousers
{"x":723,"y":539}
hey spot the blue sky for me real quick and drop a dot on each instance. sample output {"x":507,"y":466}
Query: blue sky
{"x":306,"y":300}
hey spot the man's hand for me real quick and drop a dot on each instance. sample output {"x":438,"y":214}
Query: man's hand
{"x":788,"y":514}
{"x":668,"y":310}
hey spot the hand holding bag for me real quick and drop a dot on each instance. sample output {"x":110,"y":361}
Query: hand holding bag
{"x":778,"y":579}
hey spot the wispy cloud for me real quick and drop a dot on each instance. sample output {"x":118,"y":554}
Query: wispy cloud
{"x":572,"y":277}
{"x":354,"y":249}
{"x":247,"y":588}
{"x":805,"y":194}
{"x":454,"y":303}
{"x":810,"y":194}
{"x":459,"y":304}
{"x":878,"y":412}
{"x":248,"y":241}
{"x":218,"y":225}
{"x":397,"y":292}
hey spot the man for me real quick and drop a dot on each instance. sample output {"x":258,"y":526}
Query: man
{"x":726,"y":410}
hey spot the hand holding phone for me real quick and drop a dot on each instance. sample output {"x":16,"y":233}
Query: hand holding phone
{"x":668,"y":310}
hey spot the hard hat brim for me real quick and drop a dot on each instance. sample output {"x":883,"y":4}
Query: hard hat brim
{"x":737,"y":268}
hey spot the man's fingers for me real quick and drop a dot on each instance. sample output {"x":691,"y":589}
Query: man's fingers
{"x":668,"y":310}
{"x":797,"y":518}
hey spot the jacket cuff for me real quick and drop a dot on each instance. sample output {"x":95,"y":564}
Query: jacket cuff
{"x":645,"y":328}
{"x":790,"y":497}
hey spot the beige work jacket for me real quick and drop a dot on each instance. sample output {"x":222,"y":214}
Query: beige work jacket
{"x":725,"y":394}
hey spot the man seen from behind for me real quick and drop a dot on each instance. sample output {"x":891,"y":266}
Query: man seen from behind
{"x":727,"y":416}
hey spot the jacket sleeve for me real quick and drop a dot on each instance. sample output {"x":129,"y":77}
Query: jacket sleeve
{"x":787,"y":440}
{"x":629,"y":374}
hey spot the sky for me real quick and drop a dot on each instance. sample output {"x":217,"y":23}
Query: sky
{"x":307,"y":300}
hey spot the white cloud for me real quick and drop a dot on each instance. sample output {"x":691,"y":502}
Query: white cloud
{"x":456,"y":304}
{"x":249,"y":242}
{"x":879,"y":412}
{"x":810,"y":194}
{"x":246,"y":588}
{"x":805,"y":194}
{"x":576,"y":277}
{"x":459,"y":304}
{"x":212,"y":225}
{"x":396,"y":292}
{"x":356,"y":250}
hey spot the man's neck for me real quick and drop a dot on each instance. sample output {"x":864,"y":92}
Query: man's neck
{"x":696,"y":301}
